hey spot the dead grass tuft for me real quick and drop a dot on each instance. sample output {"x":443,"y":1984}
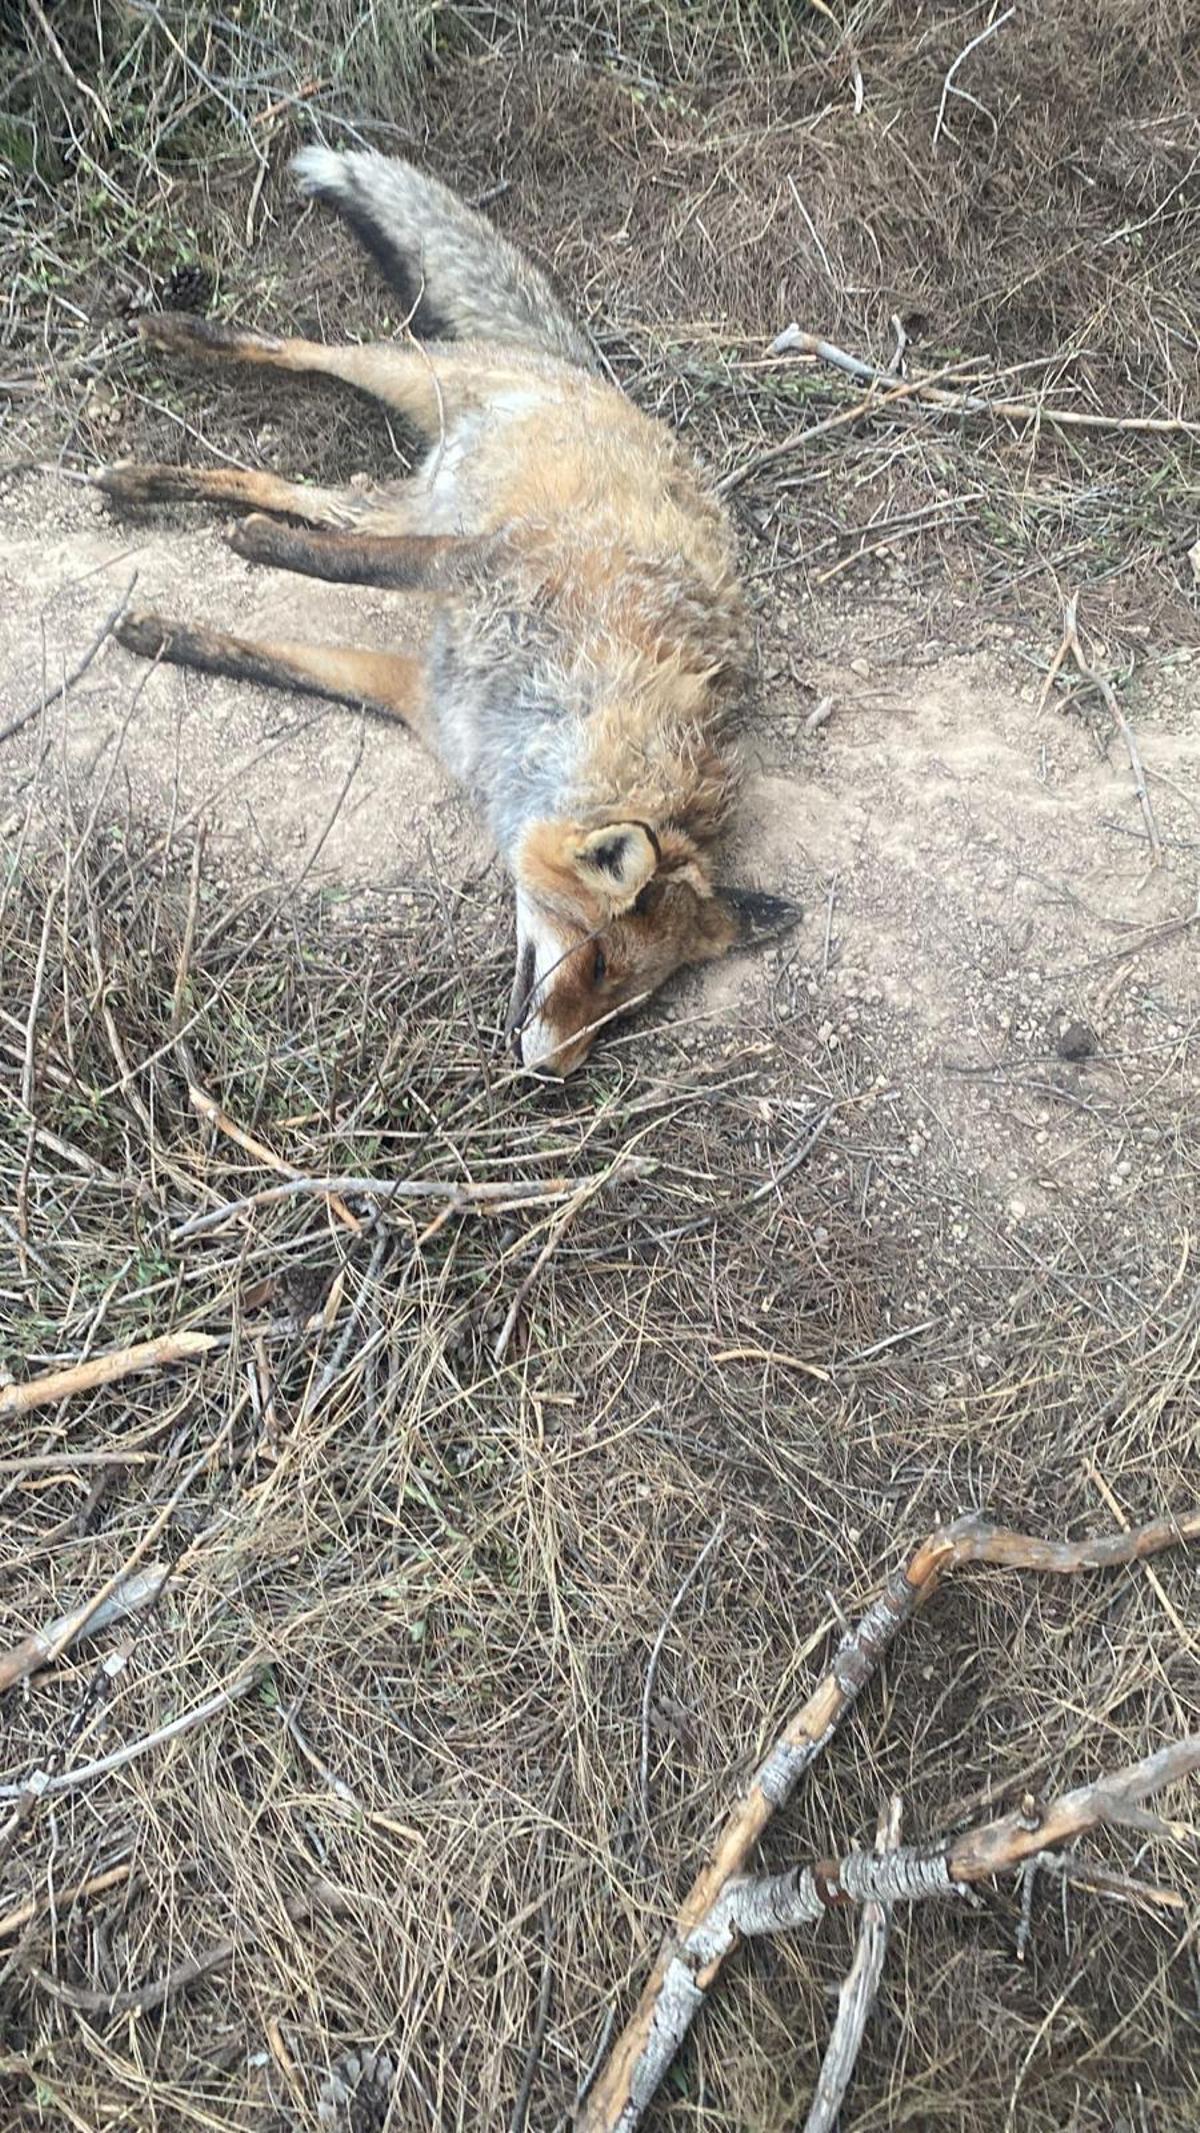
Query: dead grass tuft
{"x":424,"y":1588}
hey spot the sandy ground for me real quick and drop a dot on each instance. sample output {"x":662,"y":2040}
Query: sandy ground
{"x":974,"y":869}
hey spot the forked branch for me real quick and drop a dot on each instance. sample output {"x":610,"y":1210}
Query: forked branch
{"x":773,"y":1903}
{"x":857,"y":1995}
{"x":708,"y":1925}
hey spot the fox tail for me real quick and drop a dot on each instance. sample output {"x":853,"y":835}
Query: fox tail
{"x":456,"y":275}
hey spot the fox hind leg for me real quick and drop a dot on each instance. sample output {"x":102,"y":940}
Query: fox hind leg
{"x":406,"y":562}
{"x":128,"y":483}
{"x":414,"y":382}
{"x":389,"y":683}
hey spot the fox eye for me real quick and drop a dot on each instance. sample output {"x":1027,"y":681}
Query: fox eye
{"x":599,"y":967}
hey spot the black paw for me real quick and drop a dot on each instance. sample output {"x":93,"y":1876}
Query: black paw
{"x":143,"y":632}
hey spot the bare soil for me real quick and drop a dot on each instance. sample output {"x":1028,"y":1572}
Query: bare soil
{"x":974,"y":867}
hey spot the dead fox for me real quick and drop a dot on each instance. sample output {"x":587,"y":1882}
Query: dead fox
{"x":589,"y":646}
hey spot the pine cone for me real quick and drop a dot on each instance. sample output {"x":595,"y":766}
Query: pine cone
{"x":186,"y":288}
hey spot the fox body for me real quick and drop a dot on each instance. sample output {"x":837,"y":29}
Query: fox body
{"x":588,"y":646}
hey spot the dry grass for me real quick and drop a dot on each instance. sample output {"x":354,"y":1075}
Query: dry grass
{"x":1046,"y":238}
{"x":448,"y":1574}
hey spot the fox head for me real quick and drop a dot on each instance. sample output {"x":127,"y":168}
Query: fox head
{"x":604,"y":916}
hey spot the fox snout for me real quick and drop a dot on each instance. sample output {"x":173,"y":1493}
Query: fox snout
{"x":549,"y":1012}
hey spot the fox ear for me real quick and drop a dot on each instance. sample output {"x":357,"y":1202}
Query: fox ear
{"x":618,"y":860}
{"x":597,"y":873}
{"x":746,"y":918}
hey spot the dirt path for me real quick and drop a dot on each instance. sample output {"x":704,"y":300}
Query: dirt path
{"x":982,"y":919}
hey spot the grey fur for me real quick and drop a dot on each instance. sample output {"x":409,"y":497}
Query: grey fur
{"x":511,"y":713}
{"x":446,"y":259}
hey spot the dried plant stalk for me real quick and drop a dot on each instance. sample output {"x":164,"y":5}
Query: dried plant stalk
{"x":108,"y":1369}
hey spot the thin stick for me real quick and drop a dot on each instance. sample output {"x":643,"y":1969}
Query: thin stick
{"x":64,"y":1462}
{"x":685,"y":1585}
{"x":86,"y":1773}
{"x":14,"y":1922}
{"x":210,"y":1110}
{"x":107,"y":1369}
{"x":560,"y":1225}
{"x":49,"y":696}
{"x":29,"y":1064}
{"x":139,"y":1999}
{"x":220,"y":1121}
{"x":679,"y":1983}
{"x":520,"y":2110}
{"x":907,"y":389}
{"x":1096,"y":680}
{"x":45,"y":1646}
{"x":1104,"y":1881}
{"x":459,"y":1195}
{"x":857,"y":1995}
{"x":967,"y":403}
{"x":84,"y":88}
{"x":144,"y":1999}
{"x":1062,"y":654}
{"x":948,"y":88}
{"x":128,"y":1597}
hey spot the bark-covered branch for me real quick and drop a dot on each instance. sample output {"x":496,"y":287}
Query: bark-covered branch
{"x":801,"y":1895}
{"x":856,"y":1997}
{"x":709,"y":1924}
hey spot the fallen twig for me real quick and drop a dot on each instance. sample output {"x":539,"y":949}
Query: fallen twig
{"x":795,"y":1156}
{"x":857,"y":1995}
{"x":966,"y":403}
{"x":140,"y":1999}
{"x":107,"y":1369}
{"x":65,"y":1462}
{"x":520,"y":2110}
{"x":14,"y":1922}
{"x":681,"y":1978}
{"x":948,"y":88}
{"x":116,"y":1596}
{"x":127,"y":1597}
{"x":155,"y":1992}
{"x":686,"y":1582}
{"x":492,"y":1198}
{"x":86,"y":1773}
{"x":35,"y":710}
{"x":580,"y":1198}
{"x":1104,"y":1881}
{"x":1071,"y":647}
{"x":220,"y":1121}
{"x":807,"y":433}
{"x":801,"y":1895}
{"x":84,"y":88}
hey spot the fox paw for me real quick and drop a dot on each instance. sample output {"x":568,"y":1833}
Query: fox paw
{"x":143,"y":632}
{"x":182,"y":333}
{"x":130,"y":482}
